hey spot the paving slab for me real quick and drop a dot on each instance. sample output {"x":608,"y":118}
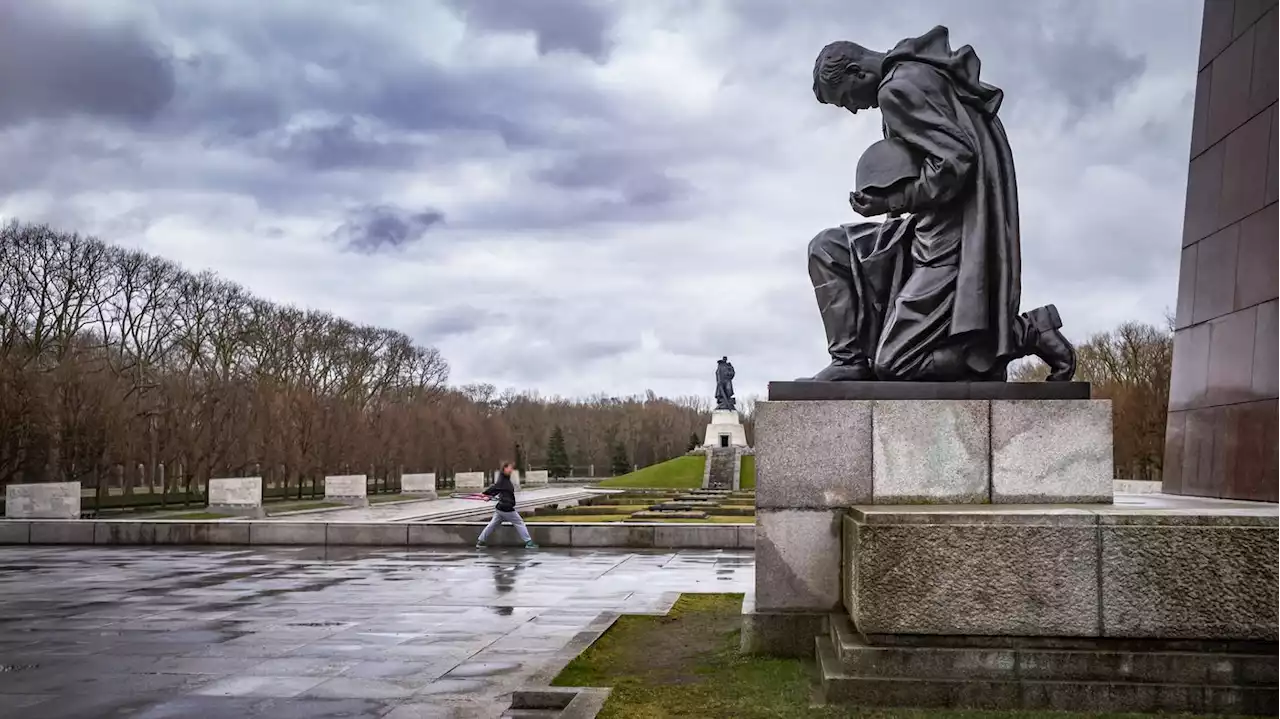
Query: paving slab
{"x":158,"y":631}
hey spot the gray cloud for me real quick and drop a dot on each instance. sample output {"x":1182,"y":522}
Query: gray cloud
{"x":379,"y":227}
{"x":580,"y":26}
{"x":53,"y":65}
{"x":628,"y":186}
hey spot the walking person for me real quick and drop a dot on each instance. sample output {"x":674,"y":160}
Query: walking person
{"x":504,"y":491}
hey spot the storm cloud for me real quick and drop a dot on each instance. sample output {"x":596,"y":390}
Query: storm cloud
{"x":577,"y":196}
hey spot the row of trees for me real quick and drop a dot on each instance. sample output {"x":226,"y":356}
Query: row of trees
{"x":111,"y":356}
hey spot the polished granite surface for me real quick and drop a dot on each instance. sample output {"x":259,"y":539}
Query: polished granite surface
{"x":312,"y":632}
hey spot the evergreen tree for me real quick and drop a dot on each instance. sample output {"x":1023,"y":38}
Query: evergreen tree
{"x":557,"y":455}
{"x":620,"y":464}
{"x":693,"y":441}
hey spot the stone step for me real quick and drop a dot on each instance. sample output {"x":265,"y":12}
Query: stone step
{"x":651,"y":514}
{"x":841,"y":687}
{"x":1106,"y":663}
{"x":682,"y":506}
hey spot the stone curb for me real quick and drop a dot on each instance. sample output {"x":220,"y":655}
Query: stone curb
{"x":251,"y":532}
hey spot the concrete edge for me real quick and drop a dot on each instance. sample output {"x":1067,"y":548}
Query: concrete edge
{"x":577,"y":702}
{"x":1059,"y":515}
{"x":134,"y":532}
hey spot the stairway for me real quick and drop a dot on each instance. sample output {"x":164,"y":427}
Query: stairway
{"x":1112,"y":676}
{"x":723,"y":460}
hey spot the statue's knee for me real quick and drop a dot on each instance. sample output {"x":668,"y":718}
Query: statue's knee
{"x":887,"y":369}
{"x":822,"y":243}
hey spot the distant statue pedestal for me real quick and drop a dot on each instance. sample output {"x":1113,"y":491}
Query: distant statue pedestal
{"x":725,"y":430}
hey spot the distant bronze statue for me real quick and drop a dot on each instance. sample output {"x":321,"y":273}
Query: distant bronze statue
{"x":931,"y":293}
{"x":724,"y":384}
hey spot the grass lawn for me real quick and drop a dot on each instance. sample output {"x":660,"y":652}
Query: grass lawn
{"x":687,"y":664}
{"x":196,"y":515}
{"x":380,"y":498}
{"x":679,"y":473}
{"x":747,"y":472}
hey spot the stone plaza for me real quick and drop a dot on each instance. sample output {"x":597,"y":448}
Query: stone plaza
{"x":153,"y":633}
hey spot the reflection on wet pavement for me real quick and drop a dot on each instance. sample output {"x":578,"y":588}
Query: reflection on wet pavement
{"x":312,"y":631}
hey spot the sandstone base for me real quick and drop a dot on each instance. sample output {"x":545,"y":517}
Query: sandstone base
{"x":1229,"y":678}
{"x":352,"y":489}
{"x":1147,"y":568}
{"x":48,"y":500}
{"x":725,"y":430}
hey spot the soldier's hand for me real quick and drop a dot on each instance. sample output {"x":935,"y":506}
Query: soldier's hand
{"x":867,"y":205}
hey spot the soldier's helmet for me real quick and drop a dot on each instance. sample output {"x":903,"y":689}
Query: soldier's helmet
{"x":885,"y":164}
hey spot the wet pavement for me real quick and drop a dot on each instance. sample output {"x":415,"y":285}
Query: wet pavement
{"x":309,"y":631}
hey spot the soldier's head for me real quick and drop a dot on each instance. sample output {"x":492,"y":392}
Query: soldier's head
{"x":847,"y":75}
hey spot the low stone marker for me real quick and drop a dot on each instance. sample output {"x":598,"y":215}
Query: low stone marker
{"x":49,"y":500}
{"x":350,"y":489}
{"x":419,"y":484}
{"x":535,"y":476}
{"x":469,"y":480}
{"x":236,"y":495}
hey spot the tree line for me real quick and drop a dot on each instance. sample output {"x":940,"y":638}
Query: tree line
{"x":110,"y":356}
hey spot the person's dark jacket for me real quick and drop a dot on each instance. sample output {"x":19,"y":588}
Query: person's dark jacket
{"x":505,"y":492}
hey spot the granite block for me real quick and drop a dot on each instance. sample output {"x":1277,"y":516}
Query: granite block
{"x":618,"y":535}
{"x":797,"y":560}
{"x":1002,"y":579}
{"x":418,"y":484}
{"x":69,"y":531}
{"x":367,"y":535}
{"x":692,"y":536}
{"x":931,"y":451}
{"x":14,"y":532}
{"x":201,"y":533}
{"x":469,"y":480}
{"x":235,"y":492}
{"x":275,"y":533}
{"x":779,"y":634}
{"x":346,"y":487}
{"x":424,"y":534}
{"x":1046,"y":452}
{"x":813,"y":455}
{"x":747,"y":537}
{"x":121,"y":532}
{"x":1190,"y":580}
{"x":47,"y":500}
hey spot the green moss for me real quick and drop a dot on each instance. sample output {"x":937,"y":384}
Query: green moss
{"x":680,"y":473}
{"x":687,"y":664}
{"x":747,"y":472}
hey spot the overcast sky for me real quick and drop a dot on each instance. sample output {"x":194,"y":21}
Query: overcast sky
{"x":569,"y":195}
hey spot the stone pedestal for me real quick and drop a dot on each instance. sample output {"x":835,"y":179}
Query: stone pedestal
{"x":469,"y":480}
{"x":725,"y":430}
{"x":832,"y":446}
{"x":48,"y":500}
{"x":536,"y":477}
{"x":240,"y":496}
{"x":420,"y":485}
{"x":350,"y":489}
